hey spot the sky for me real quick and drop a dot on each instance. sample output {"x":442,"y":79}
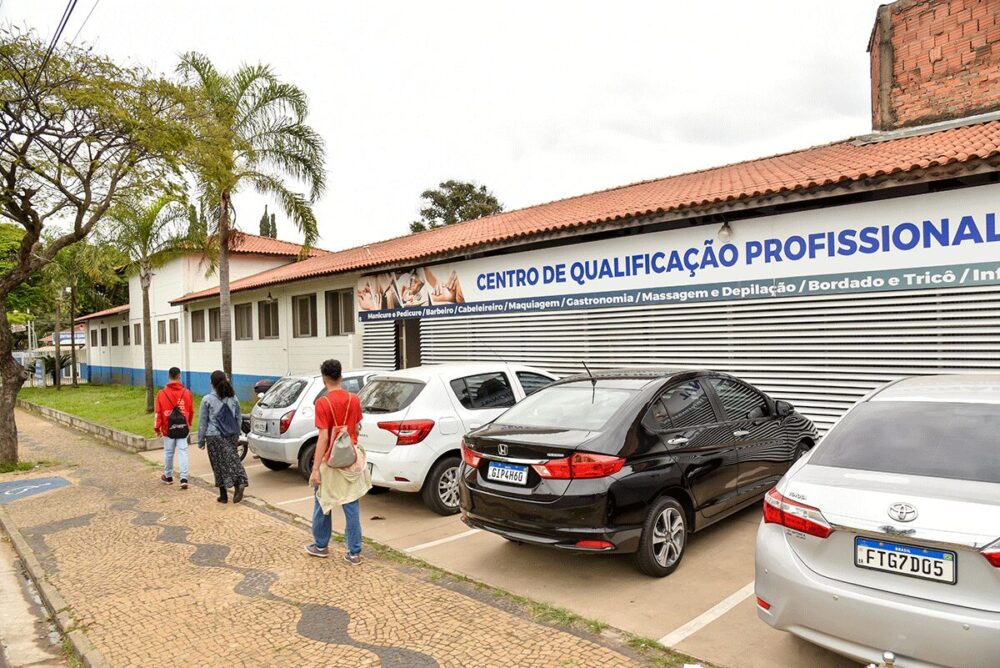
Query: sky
{"x":537,"y":100}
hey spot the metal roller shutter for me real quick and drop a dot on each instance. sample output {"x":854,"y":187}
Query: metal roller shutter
{"x":820,"y":353}
{"x":378,"y":345}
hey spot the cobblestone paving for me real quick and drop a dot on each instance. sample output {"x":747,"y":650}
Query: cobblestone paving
{"x":159,"y":576}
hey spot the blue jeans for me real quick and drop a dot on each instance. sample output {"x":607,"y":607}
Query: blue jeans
{"x":181,"y":446}
{"x":323,"y":526}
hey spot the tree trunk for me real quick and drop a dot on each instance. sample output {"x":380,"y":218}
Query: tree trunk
{"x":72,"y":328}
{"x":12,"y":377}
{"x":57,"y":367}
{"x":225,"y":321}
{"x":145,"y":277}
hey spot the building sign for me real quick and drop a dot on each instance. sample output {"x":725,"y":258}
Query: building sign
{"x":932,"y":241}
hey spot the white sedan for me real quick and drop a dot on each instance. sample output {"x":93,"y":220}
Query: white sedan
{"x":414,"y":421}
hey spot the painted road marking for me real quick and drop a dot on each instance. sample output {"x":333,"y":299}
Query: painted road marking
{"x":19,"y":489}
{"x":442,"y":541}
{"x":680,"y":634}
{"x":290,"y":501}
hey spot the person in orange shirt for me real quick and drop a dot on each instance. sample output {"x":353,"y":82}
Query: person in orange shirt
{"x":172,"y":421}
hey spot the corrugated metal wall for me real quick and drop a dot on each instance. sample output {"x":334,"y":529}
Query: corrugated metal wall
{"x":820,"y":353}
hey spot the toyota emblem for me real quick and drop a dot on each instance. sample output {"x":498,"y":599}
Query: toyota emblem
{"x":902,"y":512}
{"x":502,"y":451}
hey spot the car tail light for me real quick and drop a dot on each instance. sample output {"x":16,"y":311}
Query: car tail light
{"x":470,"y":456}
{"x":580,"y":465}
{"x":595,"y":544}
{"x":285,"y":422}
{"x":762,"y":603}
{"x":408,"y":432}
{"x":992,"y":554}
{"x":779,"y":509}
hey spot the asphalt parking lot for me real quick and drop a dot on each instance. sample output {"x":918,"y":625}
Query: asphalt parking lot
{"x":705,"y":609}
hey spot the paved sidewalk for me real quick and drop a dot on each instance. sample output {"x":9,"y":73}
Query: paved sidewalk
{"x":157,"y":576}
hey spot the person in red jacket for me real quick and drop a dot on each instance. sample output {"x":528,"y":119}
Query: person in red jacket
{"x":175,"y":435}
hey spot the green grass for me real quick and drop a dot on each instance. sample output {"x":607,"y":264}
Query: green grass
{"x":121,"y":407}
{"x":23,"y":465}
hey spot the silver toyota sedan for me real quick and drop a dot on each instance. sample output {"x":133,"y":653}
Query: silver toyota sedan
{"x":886,"y":536}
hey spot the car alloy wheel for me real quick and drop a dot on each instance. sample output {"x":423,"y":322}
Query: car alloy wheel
{"x":668,"y":537}
{"x":448,"y":487}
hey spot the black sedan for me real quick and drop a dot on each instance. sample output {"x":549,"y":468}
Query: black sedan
{"x":628,"y":461}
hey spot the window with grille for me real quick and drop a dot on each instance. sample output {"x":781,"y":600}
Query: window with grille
{"x":214,"y":324}
{"x":304,"y":316}
{"x":243,"y":314}
{"x":267,"y":319}
{"x":197,"y":326}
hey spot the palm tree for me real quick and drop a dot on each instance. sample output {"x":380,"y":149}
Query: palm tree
{"x":255,"y":137}
{"x":149,"y":233}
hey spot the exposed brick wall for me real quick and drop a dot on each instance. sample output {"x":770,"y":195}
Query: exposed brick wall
{"x":945,"y":61}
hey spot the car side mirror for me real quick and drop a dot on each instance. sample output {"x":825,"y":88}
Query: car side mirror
{"x":783,"y":408}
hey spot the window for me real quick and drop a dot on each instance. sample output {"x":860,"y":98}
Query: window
{"x":138,"y":334}
{"x":283,"y":393}
{"x":93,"y":338}
{"x":339,"y":312}
{"x":584,"y":406}
{"x":114,"y":336}
{"x":532,"y":382}
{"x":684,"y":405}
{"x":197,"y":326}
{"x":738,"y":400}
{"x":488,"y":390}
{"x":214,"y":324}
{"x":125,"y":335}
{"x":304,"y":316}
{"x":267,"y":319}
{"x":161,"y":331}
{"x":388,"y":395}
{"x":104,"y":338}
{"x":175,"y":335}
{"x":938,"y":439}
{"x":244,"y":321}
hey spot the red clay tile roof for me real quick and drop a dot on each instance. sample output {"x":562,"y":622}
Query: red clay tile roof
{"x":252,"y":244}
{"x":841,"y":163}
{"x":114,"y":310}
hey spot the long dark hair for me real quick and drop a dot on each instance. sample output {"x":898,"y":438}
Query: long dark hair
{"x":221,"y":385}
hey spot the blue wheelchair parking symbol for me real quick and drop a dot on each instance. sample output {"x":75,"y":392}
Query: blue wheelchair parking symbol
{"x":19,"y":489}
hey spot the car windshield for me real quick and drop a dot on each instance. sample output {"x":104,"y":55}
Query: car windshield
{"x":388,"y":395}
{"x":570,"y":406}
{"x":926,"y":438}
{"x":283,"y":394}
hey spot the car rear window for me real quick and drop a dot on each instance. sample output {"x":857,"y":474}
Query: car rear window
{"x":283,"y":394}
{"x":388,"y":395}
{"x":570,"y":406}
{"x":937,"y":439}
{"x":486,"y":390}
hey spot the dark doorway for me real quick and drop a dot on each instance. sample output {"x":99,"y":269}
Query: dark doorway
{"x":407,"y":343}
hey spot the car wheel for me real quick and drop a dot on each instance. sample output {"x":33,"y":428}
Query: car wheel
{"x":664,"y":537}
{"x":241,"y":449}
{"x":378,"y":490}
{"x":440,"y":490}
{"x":306,"y":460}
{"x":274,"y":465}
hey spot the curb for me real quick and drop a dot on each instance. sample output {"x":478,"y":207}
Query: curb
{"x":53,"y":600}
{"x":120,"y":440}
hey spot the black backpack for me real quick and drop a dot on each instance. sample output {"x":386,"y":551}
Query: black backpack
{"x":177,"y":426}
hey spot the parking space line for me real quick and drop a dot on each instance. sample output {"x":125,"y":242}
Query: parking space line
{"x":289,"y":501}
{"x":681,"y":633}
{"x":441,"y":541}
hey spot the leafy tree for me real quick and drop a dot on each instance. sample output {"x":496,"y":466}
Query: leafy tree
{"x":74,"y":136}
{"x":273,"y":230}
{"x":149,"y":233}
{"x":30,"y":296}
{"x":267,"y":225}
{"x":455,"y":201}
{"x":256,"y":139}
{"x":54,"y":364}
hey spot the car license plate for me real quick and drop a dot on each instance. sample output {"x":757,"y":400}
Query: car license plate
{"x":258,"y":426}
{"x":916,"y":562}
{"x":511,"y":473}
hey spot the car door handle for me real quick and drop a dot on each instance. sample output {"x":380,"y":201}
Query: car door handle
{"x":740,"y":433}
{"x":679,"y":440}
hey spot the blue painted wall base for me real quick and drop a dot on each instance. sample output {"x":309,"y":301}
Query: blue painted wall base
{"x":196,"y":381}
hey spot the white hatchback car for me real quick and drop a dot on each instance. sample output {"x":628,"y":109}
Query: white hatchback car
{"x":414,"y":421}
{"x":886,"y":536}
{"x":282,"y":428}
